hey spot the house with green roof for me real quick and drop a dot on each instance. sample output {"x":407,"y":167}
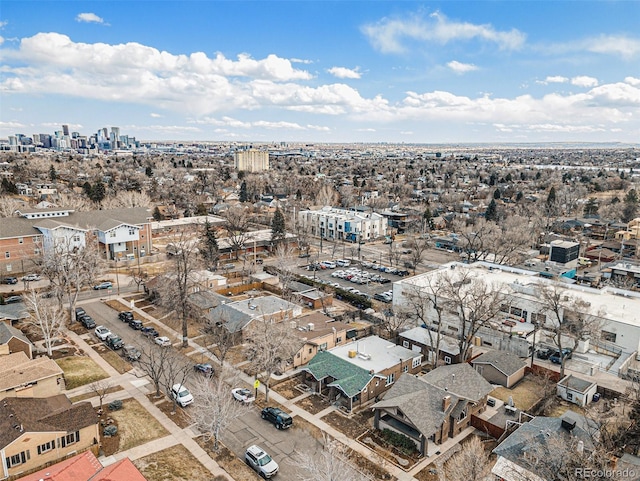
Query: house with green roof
{"x":358,"y":372}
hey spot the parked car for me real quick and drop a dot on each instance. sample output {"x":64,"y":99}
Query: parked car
{"x":181,"y":394}
{"x":79,"y":312}
{"x":381,"y":297}
{"x":102,"y":332}
{"x":31,"y":278}
{"x":261,"y":462}
{"x":544,"y":353}
{"x":149,"y":332}
{"x":557,"y":359}
{"x":135,"y":324}
{"x":12,"y":299}
{"x":125,"y":316}
{"x":163,"y":341}
{"x":277,"y":417}
{"x":243,"y":395}
{"x":87,"y":321}
{"x":304,"y":255}
{"x":114,"y":341}
{"x":132,"y":353}
{"x":10,"y":280}
{"x":205,"y":369}
{"x":103,"y":285}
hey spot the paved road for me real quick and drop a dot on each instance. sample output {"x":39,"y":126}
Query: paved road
{"x":251,"y":429}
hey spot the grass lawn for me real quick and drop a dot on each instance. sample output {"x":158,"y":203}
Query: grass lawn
{"x":524,"y":395}
{"x":89,"y":395}
{"x":135,"y":425}
{"x":175,"y":464}
{"x":80,"y":370}
{"x":116,"y":361}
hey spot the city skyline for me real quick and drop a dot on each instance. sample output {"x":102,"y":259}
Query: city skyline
{"x":439,"y":72}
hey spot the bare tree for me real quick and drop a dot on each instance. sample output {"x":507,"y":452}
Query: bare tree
{"x":474,"y":238}
{"x":506,"y":243}
{"x":69,"y":266}
{"x":418,"y":248}
{"x":393,"y":322}
{"x":153,"y":362}
{"x":174,"y":292}
{"x":46,"y":317}
{"x":331,"y":464}
{"x":237,"y":223}
{"x":286,"y":264}
{"x":327,"y":195}
{"x":8,"y":206}
{"x":471,"y":463}
{"x":138,"y":276}
{"x":475,"y":301}
{"x":270,"y":346}
{"x":569,"y":319}
{"x":214,"y":409}
{"x":218,"y":337}
{"x":101,"y":388}
{"x":176,"y":371}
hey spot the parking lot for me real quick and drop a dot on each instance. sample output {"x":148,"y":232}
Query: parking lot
{"x":365,"y":278}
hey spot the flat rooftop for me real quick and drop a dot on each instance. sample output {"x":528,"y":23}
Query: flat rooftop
{"x":374,"y":353}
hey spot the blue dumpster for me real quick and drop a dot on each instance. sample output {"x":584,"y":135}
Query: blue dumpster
{"x":596,"y":397}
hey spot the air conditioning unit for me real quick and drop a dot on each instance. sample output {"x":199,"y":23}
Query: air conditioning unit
{"x":310,"y":326}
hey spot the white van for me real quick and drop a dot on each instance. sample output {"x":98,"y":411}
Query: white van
{"x":584,"y":262}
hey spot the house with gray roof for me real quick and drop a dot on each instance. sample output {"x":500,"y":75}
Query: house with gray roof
{"x":445,"y":349}
{"x":10,"y":313}
{"x":500,"y":367}
{"x":519,"y":455}
{"x":13,"y":340}
{"x":435,"y":407}
{"x":360,"y":371}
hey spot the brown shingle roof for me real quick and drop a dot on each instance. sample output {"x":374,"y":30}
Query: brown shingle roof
{"x":17,"y":369}
{"x":52,"y":414}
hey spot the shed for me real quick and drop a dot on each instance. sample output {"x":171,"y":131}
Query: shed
{"x":576,"y":390}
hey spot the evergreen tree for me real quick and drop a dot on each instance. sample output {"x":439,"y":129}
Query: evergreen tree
{"x":298,"y":194}
{"x":497,"y":194}
{"x":519,"y":196}
{"x":8,"y":187}
{"x":86,"y":187}
{"x":209,"y":249}
{"x":551,"y":198}
{"x":427,"y":219}
{"x":148,"y":171}
{"x":492,"y":211}
{"x":98,"y":192}
{"x":277,"y":226}
{"x":243,"y":192}
{"x":157,"y":216}
{"x":53,"y":175}
{"x":630,"y":209}
{"x":591,"y":207}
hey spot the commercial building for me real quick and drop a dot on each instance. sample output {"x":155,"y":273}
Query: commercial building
{"x":251,"y":160}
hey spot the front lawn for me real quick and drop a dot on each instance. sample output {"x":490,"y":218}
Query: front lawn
{"x":175,"y":464}
{"x":80,"y":370}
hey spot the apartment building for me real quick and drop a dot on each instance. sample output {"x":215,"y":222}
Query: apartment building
{"x":120,"y":233}
{"x":343,"y":224}
{"x":251,"y":160}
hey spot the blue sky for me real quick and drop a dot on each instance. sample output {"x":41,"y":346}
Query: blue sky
{"x":340,"y":71}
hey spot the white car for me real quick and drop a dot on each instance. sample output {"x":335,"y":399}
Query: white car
{"x":102,"y":332}
{"x":261,"y":462}
{"x":31,"y":277}
{"x":163,"y":341}
{"x":181,"y":394}
{"x":243,"y":395}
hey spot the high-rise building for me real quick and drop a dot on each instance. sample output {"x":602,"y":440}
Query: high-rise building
{"x":252,"y":160}
{"x":65,"y":129}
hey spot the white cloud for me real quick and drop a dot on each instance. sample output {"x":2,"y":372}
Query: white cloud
{"x":263,"y":124}
{"x":89,"y":18}
{"x":584,"y":81}
{"x":1,"y":39}
{"x":365,"y":130}
{"x":343,"y":72}
{"x":388,"y":35}
{"x":3,"y":23}
{"x":622,"y":46}
{"x":632,"y":81}
{"x":155,"y":115}
{"x":301,"y":60}
{"x":460,"y":68}
{"x":11,"y":125}
{"x":554,"y":79}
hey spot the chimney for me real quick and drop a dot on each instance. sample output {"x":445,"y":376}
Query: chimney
{"x":446,"y":403}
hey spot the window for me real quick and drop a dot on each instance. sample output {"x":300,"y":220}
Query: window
{"x":70,"y":439}
{"x":452,"y":328}
{"x":608,"y":336}
{"x":338,"y":339}
{"x":569,"y":396}
{"x":76,"y":238}
{"x":416,"y":362}
{"x":538,"y":318}
{"x":405,"y":368}
{"x":7,"y":255}
{"x":112,"y":234}
{"x":310,"y":350}
{"x":20,"y":240}
{"x":447,"y":359}
{"x":323,"y":347}
{"x":132,"y":231}
{"x":391,"y":378}
{"x":43,"y":448}
{"x":462,"y":415}
{"x":405,"y":344}
{"x":17,"y":459}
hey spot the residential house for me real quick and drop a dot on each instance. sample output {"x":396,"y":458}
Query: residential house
{"x":310,"y":296}
{"x":360,"y":371}
{"x":575,"y":390}
{"x":86,"y":467}
{"x":319,"y":333}
{"x":500,"y":367}
{"x":422,"y":339}
{"x":23,"y":377}
{"x":236,"y":316}
{"x":435,"y":407}
{"x":206,"y":301}
{"x":13,"y":340}
{"x":338,"y":223}
{"x":520,"y":455}
{"x":38,"y":431}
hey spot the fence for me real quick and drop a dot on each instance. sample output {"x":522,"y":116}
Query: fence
{"x":486,"y":427}
{"x":235,"y":290}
